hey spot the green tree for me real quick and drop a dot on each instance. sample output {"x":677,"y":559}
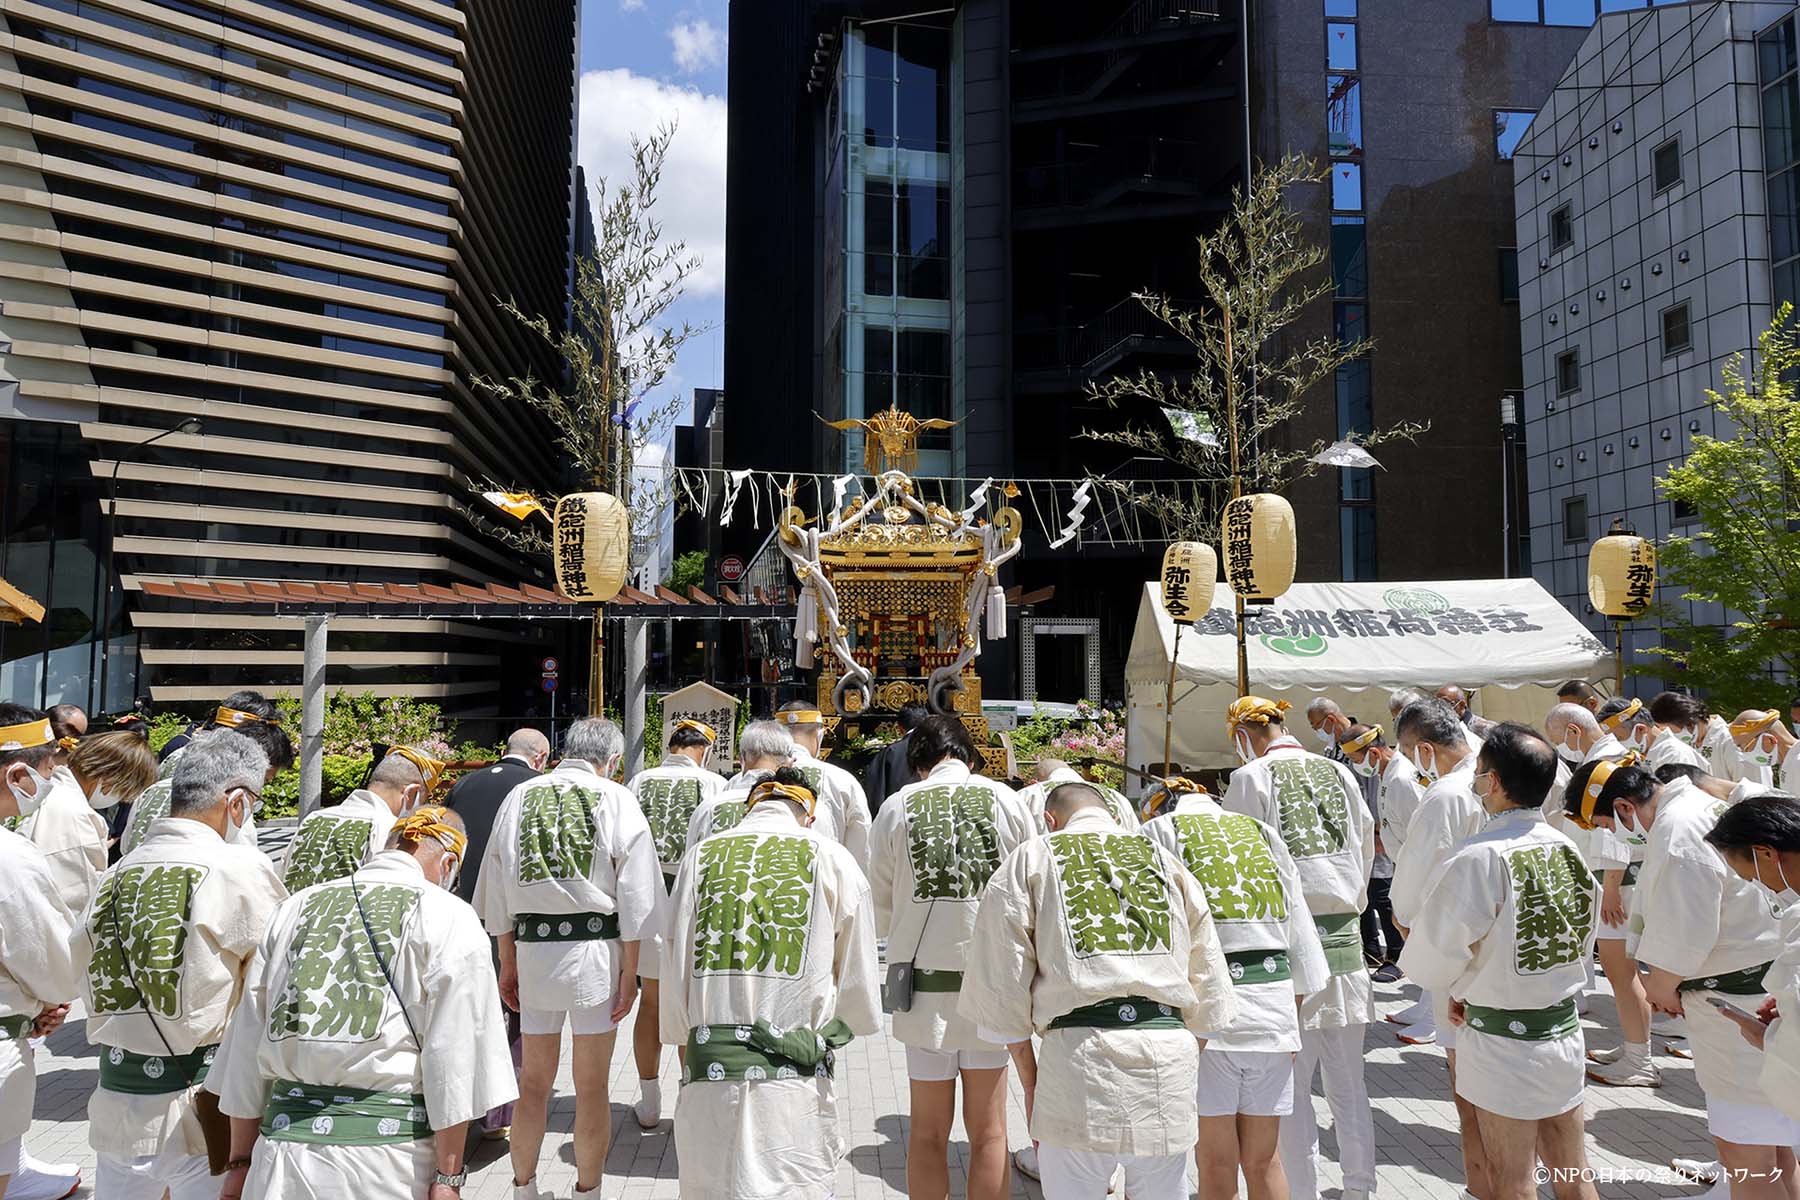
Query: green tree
{"x":1223,"y":422}
{"x":689,"y":571}
{"x":1744,"y":489}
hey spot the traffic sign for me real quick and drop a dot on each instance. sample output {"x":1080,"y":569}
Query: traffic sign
{"x":732,"y":569}
{"x":549,"y":683}
{"x":549,"y":666}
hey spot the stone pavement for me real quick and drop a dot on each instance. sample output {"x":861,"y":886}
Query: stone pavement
{"x":1632,"y":1132}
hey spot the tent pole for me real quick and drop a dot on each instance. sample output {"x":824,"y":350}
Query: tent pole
{"x":1619,"y":656}
{"x":1243,"y":657}
{"x":1169,"y":702}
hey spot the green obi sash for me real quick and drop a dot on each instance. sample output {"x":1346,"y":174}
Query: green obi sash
{"x":153,"y":1074}
{"x":15,"y":1027}
{"x":565,"y":927}
{"x":332,"y":1116}
{"x":729,"y":1053}
{"x":937,"y":981}
{"x":1631,"y":875}
{"x":1747,"y":982}
{"x":1341,"y":936}
{"x":1525,"y":1024}
{"x":1259,"y":966}
{"x":1123,"y":1012}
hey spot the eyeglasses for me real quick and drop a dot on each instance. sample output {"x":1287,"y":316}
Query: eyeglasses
{"x":253,"y":801}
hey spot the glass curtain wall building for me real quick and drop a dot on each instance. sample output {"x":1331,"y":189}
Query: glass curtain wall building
{"x":1350,"y":278}
{"x":288,"y":220}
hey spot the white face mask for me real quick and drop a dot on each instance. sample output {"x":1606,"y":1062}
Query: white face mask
{"x":232,"y":825}
{"x":1428,"y":774}
{"x":1240,"y":742}
{"x":30,"y":802}
{"x":1366,"y":769}
{"x":1639,"y":738}
{"x":1628,"y":825}
{"x":1326,"y":738}
{"x":1567,"y":752}
{"x":103,"y":800}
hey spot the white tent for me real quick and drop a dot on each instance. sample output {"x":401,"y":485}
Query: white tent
{"x":1505,"y":641}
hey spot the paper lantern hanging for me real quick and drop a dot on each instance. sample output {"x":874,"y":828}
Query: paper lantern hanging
{"x":1260,"y":543}
{"x":592,"y":546}
{"x":1190,"y":570}
{"x":1622,"y":576}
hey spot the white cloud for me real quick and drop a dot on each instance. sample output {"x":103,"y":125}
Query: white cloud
{"x":698,"y":45}
{"x":616,"y":104}
{"x":631,"y":5}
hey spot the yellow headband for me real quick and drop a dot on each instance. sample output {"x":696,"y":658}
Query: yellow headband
{"x":770,"y":789}
{"x":1254,"y":710}
{"x":801,"y":716}
{"x":1611,"y":724}
{"x":428,"y":822}
{"x":429,"y":767}
{"x":701,"y":727}
{"x":1168,"y":789}
{"x":24,"y":737}
{"x":1590,"y":795}
{"x":231,"y":718}
{"x":1755,"y":724}
{"x":1361,"y":741}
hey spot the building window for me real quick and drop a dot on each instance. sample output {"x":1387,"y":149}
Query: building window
{"x":1562,"y":228}
{"x":1509,"y":275}
{"x":1575,"y":519}
{"x":1510,"y":125}
{"x":1677,"y":334}
{"x":1346,"y":187}
{"x":1681,"y":512}
{"x":1340,"y":46}
{"x":1665,"y":165}
{"x":1568,"y":372}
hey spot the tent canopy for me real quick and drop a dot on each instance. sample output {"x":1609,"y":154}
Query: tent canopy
{"x":1505,"y":641}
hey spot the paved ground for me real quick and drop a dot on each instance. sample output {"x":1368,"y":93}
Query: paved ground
{"x":1632,"y":1132}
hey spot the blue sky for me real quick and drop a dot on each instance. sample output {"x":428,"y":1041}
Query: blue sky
{"x":644,"y":63}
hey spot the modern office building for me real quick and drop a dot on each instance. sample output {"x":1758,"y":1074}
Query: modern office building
{"x":1657,"y":221}
{"x":952,"y":205}
{"x":290,"y":220}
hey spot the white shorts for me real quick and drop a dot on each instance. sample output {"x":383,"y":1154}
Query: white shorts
{"x":1084,"y":1174}
{"x":1616,"y":933}
{"x":9,"y":1156}
{"x":938,"y":1066}
{"x":147,"y":1177}
{"x":1525,"y":1081}
{"x":1750,"y":1124}
{"x":535,"y":1022}
{"x":1251,"y":1083}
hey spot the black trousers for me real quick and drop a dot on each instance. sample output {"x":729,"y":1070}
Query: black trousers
{"x":1378,"y":926}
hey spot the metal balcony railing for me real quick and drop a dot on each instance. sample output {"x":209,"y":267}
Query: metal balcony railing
{"x":1134,"y":164}
{"x":1086,"y":350}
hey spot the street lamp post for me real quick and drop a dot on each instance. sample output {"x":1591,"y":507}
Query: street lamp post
{"x":189,"y":426}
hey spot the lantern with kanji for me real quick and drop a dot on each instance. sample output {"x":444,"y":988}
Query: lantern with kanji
{"x":1259,"y":543}
{"x":1622,"y":576}
{"x":1189,"y":572}
{"x":592,"y":547}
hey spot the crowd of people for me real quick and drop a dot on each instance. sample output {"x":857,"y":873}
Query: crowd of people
{"x":1166,"y":978}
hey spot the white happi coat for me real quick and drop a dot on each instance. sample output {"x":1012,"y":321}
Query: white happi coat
{"x":1781,"y":1041}
{"x":1508,"y":922}
{"x":1668,"y":748}
{"x":318,"y":1010}
{"x":1788,"y":779}
{"x":570,"y":842}
{"x":1123,"y":811}
{"x":192,"y":910}
{"x":332,"y":842}
{"x":725,"y":809}
{"x":72,"y":837}
{"x":37,"y":968}
{"x":936,"y":844}
{"x":153,"y":805}
{"x":843,"y":808}
{"x":1448,"y":813}
{"x":1317,"y":807}
{"x":1401,"y":795}
{"x":1086,"y":914}
{"x":669,"y":795}
{"x":1258,"y":903}
{"x":1692,"y":915}
{"x":770,"y":921}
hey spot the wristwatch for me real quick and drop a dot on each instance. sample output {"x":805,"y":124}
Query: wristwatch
{"x":455,"y":1181}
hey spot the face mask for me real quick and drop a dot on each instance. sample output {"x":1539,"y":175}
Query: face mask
{"x":1325,"y":738}
{"x":30,"y":802}
{"x":1365,"y":769}
{"x":103,"y":801}
{"x":451,"y":874}
{"x":1639,"y":739}
{"x":1428,"y":774}
{"x":1628,"y":825}
{"x":1567,"y":753}
{"x":232,"y":824}
{"x":1241,"y":744}
{"x":1482,"y":787}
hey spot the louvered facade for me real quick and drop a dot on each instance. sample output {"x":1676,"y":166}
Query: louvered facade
{"x":290,"y":219}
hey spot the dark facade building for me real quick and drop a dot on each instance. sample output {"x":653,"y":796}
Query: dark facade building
{"x":289,"y":221}
{"x":952,"y":209}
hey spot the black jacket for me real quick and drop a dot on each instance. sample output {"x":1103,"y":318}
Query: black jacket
{"x":476,"y":798}
{"x":887,"y":774}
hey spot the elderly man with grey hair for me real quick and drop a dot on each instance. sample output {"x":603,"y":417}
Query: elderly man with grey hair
{"x":763,"y":748}
{"x":570,"y":886}
{"x":165,"y":947}
{"x":333,"y":842}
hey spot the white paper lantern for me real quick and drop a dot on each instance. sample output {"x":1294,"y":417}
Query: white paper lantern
{"x":592,"y":547}
{"x":1622,"y":576}
{"x":1190,"y":570}
{"x":1260,"y":544}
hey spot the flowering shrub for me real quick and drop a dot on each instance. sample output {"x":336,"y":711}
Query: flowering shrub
{"x":1093,"y":741}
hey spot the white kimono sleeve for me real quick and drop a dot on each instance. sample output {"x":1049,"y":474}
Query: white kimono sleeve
{"x":1002,"y":957}
{"x":853,"y":964}
{"x":236,"y":1078}
{"x":856,"y":822}
{"x":1429,"y":839}
{"x":465,"y":1061}
{"x":1306,"y":954}
{"x":1244,"y":795}
{"x":881,"y":865}
{"x":1680,"y":916}
{"x":1460,"y":907}
{"x":640,"y":882}
{"x":37,"y":942}
{"x":1215,"y":1005}
{"x":677,"y":962}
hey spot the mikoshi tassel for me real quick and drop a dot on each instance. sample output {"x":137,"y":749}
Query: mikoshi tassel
{"x":996,"y":613}
{"x":806,"y":631}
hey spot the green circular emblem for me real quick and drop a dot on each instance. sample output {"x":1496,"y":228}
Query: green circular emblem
{"x":1416,"y":600}
{"x":1310,"y":646}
